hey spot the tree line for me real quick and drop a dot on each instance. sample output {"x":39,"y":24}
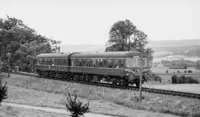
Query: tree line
{"x":22,"y":41}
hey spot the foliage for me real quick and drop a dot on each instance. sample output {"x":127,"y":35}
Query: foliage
{"x":153,"y":77}
{"x":183,"y":79}
{"x":21,"y":41}
{"x":125,"y":37}
{"x":76,"y":107}
{"x":120,"y":35}
{"x":3,"y":91}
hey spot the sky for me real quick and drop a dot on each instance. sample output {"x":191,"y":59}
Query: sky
{"x":89,"y":21}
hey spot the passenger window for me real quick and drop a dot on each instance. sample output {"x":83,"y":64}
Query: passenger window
{"x":72,"y":62}
{"x":104,"y":63}
{"x":55,"y":61}
{"x":115,"y":63}
{"x":110,"y":63}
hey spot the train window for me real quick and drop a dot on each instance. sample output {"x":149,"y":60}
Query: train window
{"x":55,"y":62}
{"x":64,"y":62}
{"x":97,"y":63}
{"x":85,"y":62}
{"x":104,"y":63}
{"x":48,"y":61}
{"x":52,"y":61}
{"x":90,"y":63}
{"x":121,"y":63}
{"x":134,"y":62}
{"x":38,"y":61}
{"x":100,"y":62}
{"x":115,"y":63}
{"x":58,"y":61}
{"x":72,"y":62}
{"x":109,"y":63}
{"x":45,"y":61}
{"x":75,"y":62}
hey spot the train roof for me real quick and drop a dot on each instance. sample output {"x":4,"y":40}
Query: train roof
{"x":107,"y":54}
{"x":54,"y":55}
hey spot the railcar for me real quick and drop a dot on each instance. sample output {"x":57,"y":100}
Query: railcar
{"x":53,"y":64}
{"x":118,"y":68}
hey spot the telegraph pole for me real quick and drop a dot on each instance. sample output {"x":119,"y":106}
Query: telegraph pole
{"x":9,"y":56}
{"x":140,"y":97}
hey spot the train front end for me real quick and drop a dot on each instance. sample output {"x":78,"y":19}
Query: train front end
{"x":132,"y":67}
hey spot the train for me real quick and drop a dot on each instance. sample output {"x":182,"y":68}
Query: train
{"x":117,"y":68}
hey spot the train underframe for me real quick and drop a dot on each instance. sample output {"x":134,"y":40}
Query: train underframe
{"x":95,"y":78}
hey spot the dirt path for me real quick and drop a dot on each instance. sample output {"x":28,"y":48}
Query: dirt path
{"x":48,"y":109}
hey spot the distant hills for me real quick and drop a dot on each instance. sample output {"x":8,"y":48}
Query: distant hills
{"x":187,"y":47}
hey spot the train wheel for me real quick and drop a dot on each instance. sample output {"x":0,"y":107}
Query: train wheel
{"x":125,"y":83}
{"x":114,"y":82}
{"x":137,"y":85}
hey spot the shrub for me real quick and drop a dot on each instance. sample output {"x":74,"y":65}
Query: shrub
{"x":153,"y":77}
{"x":76,"y":107}
{"x":174,"y":79}
{"x":183,"y":79}
{"x":3,"y":91}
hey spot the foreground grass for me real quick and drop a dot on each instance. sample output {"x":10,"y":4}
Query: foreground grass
{"x":44,"y":99}
{"x":151,"y":102}
{"x":8,"y":111}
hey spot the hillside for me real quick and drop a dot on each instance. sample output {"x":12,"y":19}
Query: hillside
{"x":189,"y":47}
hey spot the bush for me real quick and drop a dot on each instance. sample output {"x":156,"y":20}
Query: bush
{"x":153,"y":77}
{"x":3,"y":91}
{"x":183,"y":79}
{"x":174,"y":79}
{"x":75,"y":106}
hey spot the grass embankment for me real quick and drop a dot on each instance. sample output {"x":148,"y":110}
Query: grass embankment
{"x":151,"y":102}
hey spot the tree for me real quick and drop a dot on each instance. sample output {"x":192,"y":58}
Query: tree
{"x":76,"y":107}
{"x":120,"y":35}
{"x":21,"y":41}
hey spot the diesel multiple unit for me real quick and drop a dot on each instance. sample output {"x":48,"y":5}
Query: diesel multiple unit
{"x":118,"y":68}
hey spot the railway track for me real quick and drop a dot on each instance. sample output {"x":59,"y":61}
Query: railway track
{"x":145,"y":89}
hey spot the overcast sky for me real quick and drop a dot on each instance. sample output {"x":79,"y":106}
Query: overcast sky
{"x":89,"y":21}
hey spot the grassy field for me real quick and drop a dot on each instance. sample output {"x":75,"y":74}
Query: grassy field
{"x":151,"y":102}
{"x":56,"y":100}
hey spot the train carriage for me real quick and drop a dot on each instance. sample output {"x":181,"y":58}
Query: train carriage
{"x":116,"y":67}
{"x":53,"y":64}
